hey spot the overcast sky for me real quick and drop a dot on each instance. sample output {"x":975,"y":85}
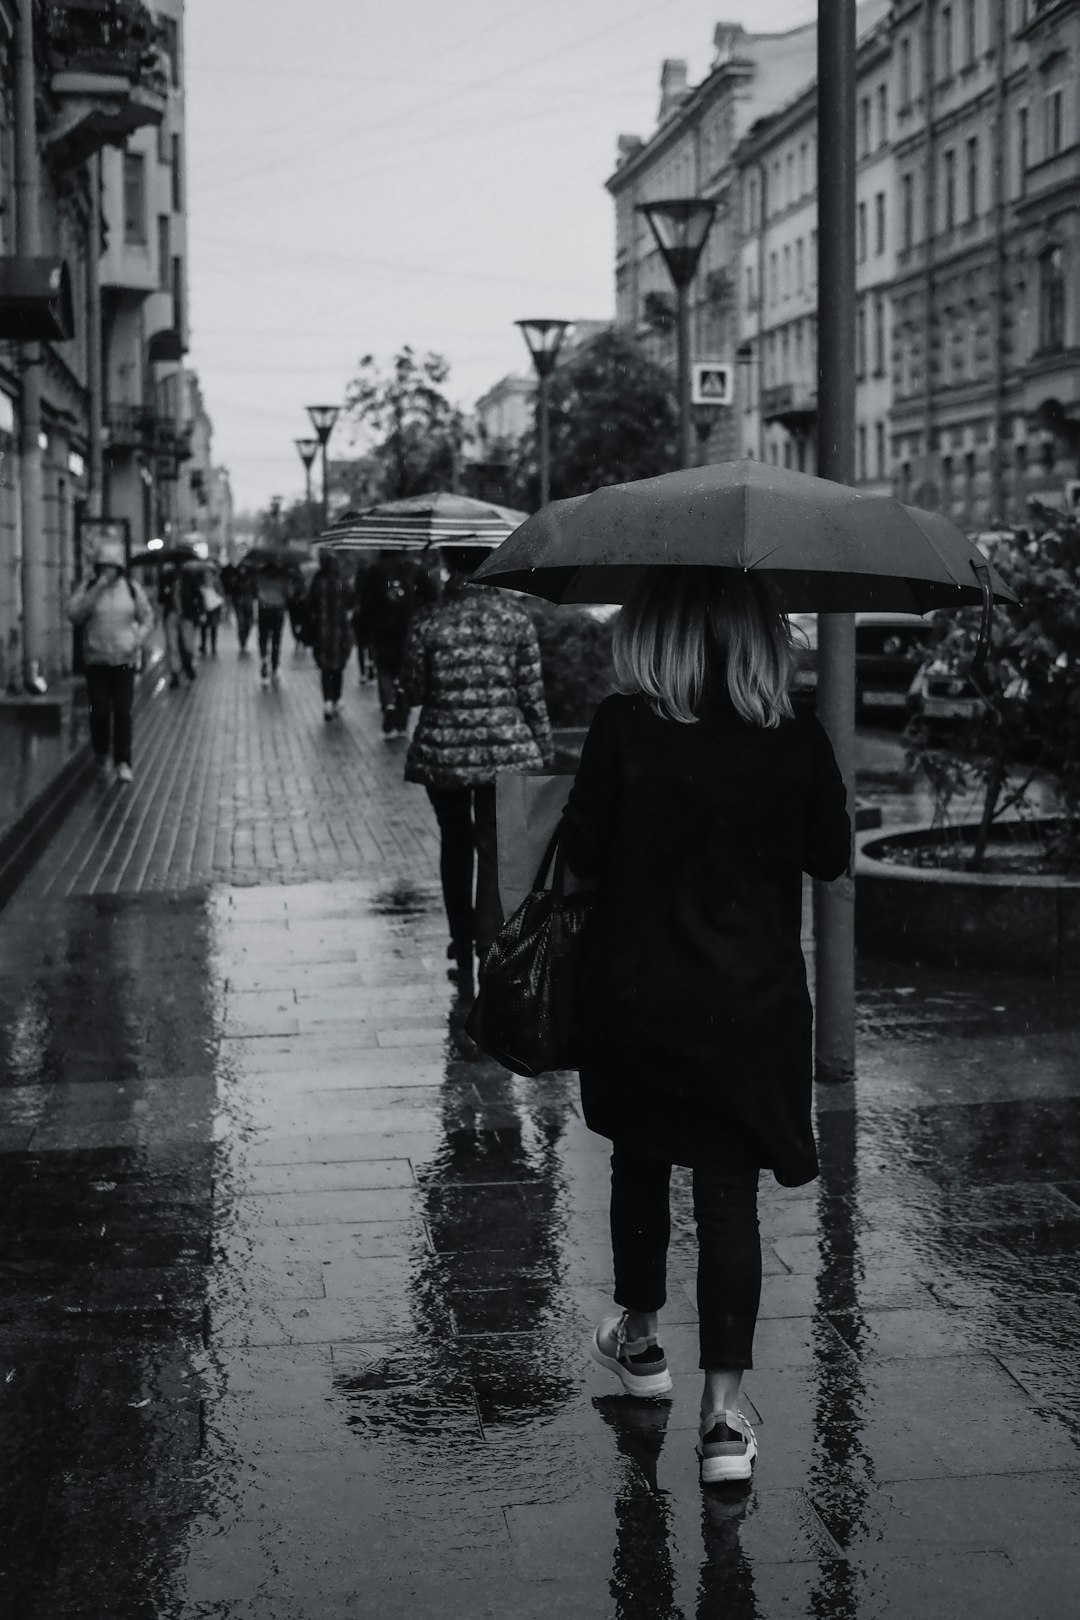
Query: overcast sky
{"x":368,"y":173}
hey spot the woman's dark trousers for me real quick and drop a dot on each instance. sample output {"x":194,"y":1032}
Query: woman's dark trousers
{"x":271,"y":622}
{"x":331,"y":685}
{"x":111,"y":691}
{"x":729,"y":1249}
{"x":244,"y":617}
{"x":466,"y":817}
{"x":208,"y":630}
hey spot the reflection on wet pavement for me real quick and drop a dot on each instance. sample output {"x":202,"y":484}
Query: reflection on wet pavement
{"x":296,"y":1292}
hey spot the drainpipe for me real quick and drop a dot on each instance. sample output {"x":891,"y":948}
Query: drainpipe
{"x":931,"y":226}
{"x":94,"y":355}
{"x":997,"y":482}
{"x":763,"y":171}
{"x":34,"y":573}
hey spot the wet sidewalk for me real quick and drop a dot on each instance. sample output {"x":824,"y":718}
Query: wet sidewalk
{"x":297,"y":1290}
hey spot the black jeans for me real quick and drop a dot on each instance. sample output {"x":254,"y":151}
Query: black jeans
{"x":271,"y":621}
{"x":111,"y":691}
{"x":331,"y":685}
{"x":729,"y":1249}
{"x":395,"y":711}
{"x":244,"y":615}
{"x":208,"y":629}
{"x":466,"y":817}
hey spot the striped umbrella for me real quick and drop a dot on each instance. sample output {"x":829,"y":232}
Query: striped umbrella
{"x":419,"y":521}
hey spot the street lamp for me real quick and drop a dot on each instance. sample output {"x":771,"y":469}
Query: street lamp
{"x":323,"y":418}
{"x":680,"y":226}
{"x":544,"y":339}
{"x":309,"y":449}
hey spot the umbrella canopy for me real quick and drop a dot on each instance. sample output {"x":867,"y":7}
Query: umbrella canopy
{"x":164,"y":556}
{"x":285,"y":558}
{"x":418,"y":521}
{"x":823,"y":546}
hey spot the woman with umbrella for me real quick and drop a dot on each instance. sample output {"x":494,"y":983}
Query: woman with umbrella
{"x":326,"y":619}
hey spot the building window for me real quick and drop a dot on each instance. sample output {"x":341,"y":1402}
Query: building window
{"x":178,"y":293}
{"x":1052,"y":299}
{"x":803,"y":173}
{"x":860,"y":232}
{"x":177,"y":177}
{"x":883,"y":114}
{"x":879,"y":448}
{"x":1054,"y":111}
{"x":777,"y":201}
{"x":879,"y":335}
{"x":973,"y":178}
{"x":879,"y":223}
{"x":971,"y":36}
{"x":789,"y":168}
{"x":907,"y":193}
{"x":905,"y":73}
{"x":785,"y":274}
{"x":948,"y":188}
{"x":861,"y":470}
{"x":800,"y":267}
{"x":946,"y":481}
{"x":946,"y":43}
{"x":164,"y":248}
{"x":134,"y":197}
{"x":750,"y":300}
{"x":774,"y":278}
{"x":813,"y":258}
{"x":860,"y":340}
{"x":864,"y":126}
{"x":751,"y":204}
{"x":170,"y":44}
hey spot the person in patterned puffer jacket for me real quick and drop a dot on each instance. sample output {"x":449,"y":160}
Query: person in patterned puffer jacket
{"x":472,"y":663}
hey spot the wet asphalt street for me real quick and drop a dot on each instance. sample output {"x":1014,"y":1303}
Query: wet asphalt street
{"x":296,"y":1290}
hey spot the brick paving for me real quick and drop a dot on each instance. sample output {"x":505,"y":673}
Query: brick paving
{"x":240,"y":784}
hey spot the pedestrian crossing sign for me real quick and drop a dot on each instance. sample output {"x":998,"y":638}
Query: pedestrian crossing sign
{"x":711,"y":383}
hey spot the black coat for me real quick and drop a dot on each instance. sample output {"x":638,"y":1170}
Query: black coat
{"x":694,"y":1011}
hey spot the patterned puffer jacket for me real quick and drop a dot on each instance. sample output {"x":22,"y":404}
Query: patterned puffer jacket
{"x":473,"y":663}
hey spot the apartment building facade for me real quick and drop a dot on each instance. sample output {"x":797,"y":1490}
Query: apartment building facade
{"x":968,"y":259}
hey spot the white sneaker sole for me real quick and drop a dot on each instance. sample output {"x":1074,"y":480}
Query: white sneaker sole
{"x":723,"y":1470}
{"x":645,"y":1385}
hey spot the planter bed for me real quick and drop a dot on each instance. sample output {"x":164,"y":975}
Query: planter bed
{"x":952,"y":918}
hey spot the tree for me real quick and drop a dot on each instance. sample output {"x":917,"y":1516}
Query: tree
{"x":614,"y":417}
{"x":1030,"y":691}
{"x":416,"y":431}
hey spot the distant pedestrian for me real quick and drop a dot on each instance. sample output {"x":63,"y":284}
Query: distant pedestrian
{"x":388,"y":605}
{"x":472,"y":663}
{"x":242,"y":595}
{"x":701,"y":799}
{"x":296,"y":608}
{"x":189,"y":596}
{"x":273,"y":589}
{"x":326,"y":620}
{"x":212,"y":603}
{"x":116,"y":619}
{"x":179,"y":657}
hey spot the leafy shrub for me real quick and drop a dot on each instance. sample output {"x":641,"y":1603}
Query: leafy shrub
{"x":575,"y":651}
{"x":1030,"y":690}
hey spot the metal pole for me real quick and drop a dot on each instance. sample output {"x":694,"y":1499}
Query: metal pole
{"x":33,"y":571}
{"x":308,"y":508}
{"x":545,"y":438}
{"x":835,"y":902}
{"x":95,"y":493}
{"x":326,"y":482}
{"x":686,"y":435}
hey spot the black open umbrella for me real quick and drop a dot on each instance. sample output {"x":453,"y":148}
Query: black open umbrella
{"x":165,"y":556}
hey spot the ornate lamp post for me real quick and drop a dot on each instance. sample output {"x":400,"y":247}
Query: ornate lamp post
{"x":309,"y":449}
{"x":544,"y":340}
{"x":323,"y":418}
{"x":680,"y":226}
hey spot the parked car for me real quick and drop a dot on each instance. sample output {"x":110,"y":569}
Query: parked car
{"x":889,"y":648}
{"x":939,"y":696}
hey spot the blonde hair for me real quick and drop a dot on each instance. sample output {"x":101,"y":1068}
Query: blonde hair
{"x":682,"y":626}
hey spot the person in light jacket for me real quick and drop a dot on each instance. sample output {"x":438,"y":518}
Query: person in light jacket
{"x":116,"y":619}
{"x":701,"y":798}
{"x":472,"y":663}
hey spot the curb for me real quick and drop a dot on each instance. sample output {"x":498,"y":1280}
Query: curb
{"x":29,"y":835}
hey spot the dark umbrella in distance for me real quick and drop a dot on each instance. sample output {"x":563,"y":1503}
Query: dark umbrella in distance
{"x":284,"y":558}
{"x":165,"y":556}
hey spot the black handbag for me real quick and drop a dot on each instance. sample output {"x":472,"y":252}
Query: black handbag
{"x":523,"y":1015}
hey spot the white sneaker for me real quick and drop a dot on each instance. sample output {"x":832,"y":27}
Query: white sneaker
{"x":727,"y":1448}
{"x":123,"y":773}
{"x":640,"y":1364}
{"x":328,"y":710}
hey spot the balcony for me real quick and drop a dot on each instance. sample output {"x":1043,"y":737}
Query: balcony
{"x":104,"y":75}
{"x":793,"y":405}
{"x":136,"y":428}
